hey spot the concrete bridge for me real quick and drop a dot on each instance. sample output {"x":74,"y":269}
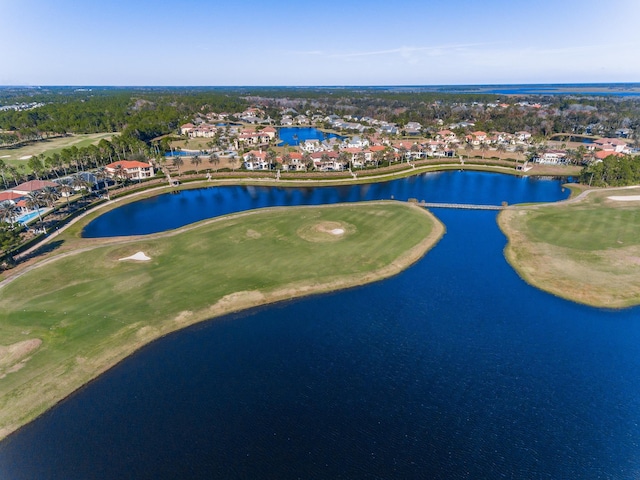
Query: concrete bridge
{"x":461,"y":206}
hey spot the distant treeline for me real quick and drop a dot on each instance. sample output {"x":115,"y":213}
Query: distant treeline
{"x":145,"y":115}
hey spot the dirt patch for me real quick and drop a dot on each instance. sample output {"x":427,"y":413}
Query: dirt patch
{"x":13,"y":357}
{"x":325,"y":231}
{"x":253,"y":234}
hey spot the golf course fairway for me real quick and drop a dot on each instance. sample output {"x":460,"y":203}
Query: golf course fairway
{"x":78,"y":312}
{"x":587,"y":250}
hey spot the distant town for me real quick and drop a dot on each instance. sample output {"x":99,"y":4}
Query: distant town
{"x":49,"y":166}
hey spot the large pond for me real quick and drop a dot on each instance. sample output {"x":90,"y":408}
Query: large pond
{"x":294,"y":136}
{"x":453,"y":369}
{"x":177,"y":209}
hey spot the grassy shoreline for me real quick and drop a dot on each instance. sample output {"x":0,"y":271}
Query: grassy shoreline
{"x":89,"y":324}
{"x":586,"y":249}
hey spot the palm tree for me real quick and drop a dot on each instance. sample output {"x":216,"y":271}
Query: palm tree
{"x":34,"y":202}
{"x":49,"y":195}
{"x":177,"y":162}
{"x":483,"y":148}
{"x":66,"y":189}
{"x":270,"y":158}
{"x":214,"y":159}
{"x":233,"y":160}
{"x":196,"y":161}
{"x":403,"y":153}
{"x":9,"y":212}
{"x":468,"y":148}
{"x":378,"y":157}
{"x":102,"y":176}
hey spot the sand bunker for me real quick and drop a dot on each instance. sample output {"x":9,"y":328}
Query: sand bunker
{"x":5,"y":156}
{"x":625,"y":198}
{"x":26,"y":157}
{"x":140,"y":257}
{"x":325,"y":231}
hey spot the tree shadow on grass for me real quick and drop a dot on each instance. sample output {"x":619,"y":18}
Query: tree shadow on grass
{"x":42,"y":250}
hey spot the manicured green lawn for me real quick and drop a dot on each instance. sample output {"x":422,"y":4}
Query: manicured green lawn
{"x":90,"y":309}
{"x":593,"y":228}
{"x":15,"y":156}
{"x":586,"y":251}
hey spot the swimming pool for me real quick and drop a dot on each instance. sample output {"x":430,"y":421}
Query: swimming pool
{"x":27,"y":217}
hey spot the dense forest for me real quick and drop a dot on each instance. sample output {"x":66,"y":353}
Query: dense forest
{"x":149,"y":112}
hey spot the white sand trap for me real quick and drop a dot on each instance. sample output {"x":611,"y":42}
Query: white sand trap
{"x":26,"y":157}
{"x":337,"y":231}
{"x":5,"y":156}
{"x":140,"y":256}
{"x":625,"y":198}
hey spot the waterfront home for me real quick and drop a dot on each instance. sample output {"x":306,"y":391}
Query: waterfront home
{"x":327,"y":162}
{"x":295,"y":163}
{"x":131,"y":169}
{"x":32,"y":186}
{"x":477,"y":138}
{"x":552,"y":157}
{"x":357,"y":142}
{"x":249,"y":137}
{"x":270,"y":132}
{"x":256,"y":160}
{"x":611,"y":145}
{"x":311,"y":145}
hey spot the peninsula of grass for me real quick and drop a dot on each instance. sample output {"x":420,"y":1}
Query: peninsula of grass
{"x":587,"y":250}
{"x":79,"y":311}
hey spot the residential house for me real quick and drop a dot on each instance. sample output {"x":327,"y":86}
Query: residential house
{"x":133,"y":169}
{"x":446,"y":136}
{"x":311,"y":145}
{"x":256,"y":160}
{"x":32,"y":186}
{"x":295,"y":164}
{"x":186,"y":128}
{"x":611,"y":145}
{"x":551,"y":157}
{"x":477,"y":138}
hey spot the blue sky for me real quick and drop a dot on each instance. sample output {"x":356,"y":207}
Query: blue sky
{"x":283,"y":42}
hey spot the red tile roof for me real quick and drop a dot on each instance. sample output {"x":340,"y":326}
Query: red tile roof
{"x":33,"y":185}
{"x":128,"y":164}
{"x":4,"y":196}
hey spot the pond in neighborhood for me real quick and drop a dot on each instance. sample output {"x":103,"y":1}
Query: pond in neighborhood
{"x":455,"y":368}
{"x":173,"y":210}
{"x":294,"y":136}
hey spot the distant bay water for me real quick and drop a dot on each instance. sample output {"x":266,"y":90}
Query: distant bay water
{"x":454,"y":368}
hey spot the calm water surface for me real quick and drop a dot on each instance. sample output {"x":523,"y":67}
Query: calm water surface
{"x":296,"y":135}
{"x":170,"y":211}
{"x":453,"y":369}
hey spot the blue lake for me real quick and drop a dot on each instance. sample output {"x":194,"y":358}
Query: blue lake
{"x":175,"y":210}
{"x":453,"y":369}
{"x":293,"y":136}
